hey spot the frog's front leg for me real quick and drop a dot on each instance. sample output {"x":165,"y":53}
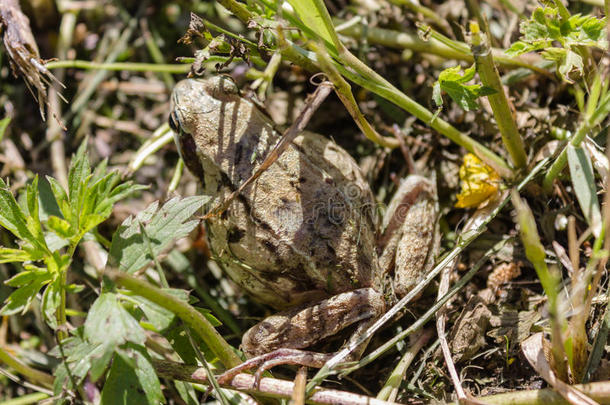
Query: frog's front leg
{"x":277,"y":339}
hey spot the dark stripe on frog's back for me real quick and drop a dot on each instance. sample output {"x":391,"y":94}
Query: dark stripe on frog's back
{"x":337,"y":274}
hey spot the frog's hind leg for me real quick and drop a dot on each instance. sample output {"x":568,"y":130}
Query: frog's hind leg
{"x":411,"y":238}
{"x":278,"y":339}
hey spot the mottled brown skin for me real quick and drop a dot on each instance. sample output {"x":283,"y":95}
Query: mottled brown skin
{"x":303,"y":236}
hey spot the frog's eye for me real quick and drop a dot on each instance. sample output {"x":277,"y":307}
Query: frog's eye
{"x":228,"y":86}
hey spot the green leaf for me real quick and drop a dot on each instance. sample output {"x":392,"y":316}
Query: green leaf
{"x":129,"y":251}
{"x":546,"y":26}
{"x":8,"y":255}
{"x":3,"y":125}
{"x":566,"y":61}
{"x":19,"y":301}
{"x":30,"y":274}
{"x":60,"y":226}
{"x":83,"y":359}
{"x":132,"y":379}
{"x":13,"y":218}
{"x":159,"y":317}
{"x":78,"y":179}
{"x":109,"y":323}
{"x":583,"y":181}
{"x":534,"y":250}
{"x":61,"y":198}
{"x":315,"y":16}
{"x":453,"y":82}
{"x":51,"y":300}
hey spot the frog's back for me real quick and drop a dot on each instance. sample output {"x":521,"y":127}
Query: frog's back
{"x":305,"y":228}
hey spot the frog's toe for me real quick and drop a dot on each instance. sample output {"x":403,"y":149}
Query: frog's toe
{"x":277,"y":357}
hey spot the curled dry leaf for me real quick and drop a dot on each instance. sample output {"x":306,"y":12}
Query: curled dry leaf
{"x":534,"y":351}
{"x":23,"y":52}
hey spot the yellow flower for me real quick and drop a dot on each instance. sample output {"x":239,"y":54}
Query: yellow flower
{"x":479,"y":182}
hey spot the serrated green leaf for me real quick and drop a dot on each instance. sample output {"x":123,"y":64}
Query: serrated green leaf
{"x":129,"y":251}
{"x":583,"y":181}
{"x":19,"y":301}
{"x":546,"y":26}
{"x":8,"y":255}
{"x":90,"y":221}
{"x":83,"y":358}
{"x":12,"y":216}
{"x":132,"y":379}
{"x":566,"y":61}
{"x":452,"y":81}
{"x":60,"y":226}
{"x":27,"y":276}
{"x":61,"y":198}
{"x":109,"y":323}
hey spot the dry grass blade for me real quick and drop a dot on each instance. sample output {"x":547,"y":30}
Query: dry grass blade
{"x":23,"y":52}
{"x":534,"y":351}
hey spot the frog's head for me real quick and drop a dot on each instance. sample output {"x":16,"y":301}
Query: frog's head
{"x":194,"y":99}
{"x":197,"y":108}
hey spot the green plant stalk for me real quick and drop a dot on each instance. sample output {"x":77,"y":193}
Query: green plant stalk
{"x":189,"y":315}
{"x":377,"y":84}
{"x":27,"y":399}
{"x":175,"y":181}
{"x":597,"y":391}
{"x":425,"y":11}
{"x":390,"y":388}
{"x":151,"y":39}
{"x":344,"y":93}
{"x":585,"y":127}
{"x":391,"y":93}
{"x":128,"y":66}
{"x":549,"y":278}
{"x":499,"y":103}
{"x":407,"y":103}
{"x":438,"y":44}
{"x":30,"y":373}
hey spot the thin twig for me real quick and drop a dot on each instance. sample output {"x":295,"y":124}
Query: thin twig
{"x":271,"y":387}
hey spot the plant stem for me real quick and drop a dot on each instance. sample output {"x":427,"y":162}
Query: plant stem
{"x":27,"y":399}
{"x":585,"y":127}
{"x":30,"y":373}
{"x":344,"y":92}
{"x":598,"y":391}
{"x":438,"y":44}
{"x":428,"y":13}
{"x":370,"y":80}
{"x":129,"y":66}
{"x":189,"y":315}
{"x":498,"y":101}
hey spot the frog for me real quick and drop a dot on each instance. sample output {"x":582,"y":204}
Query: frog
{"x":305,"y":237}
